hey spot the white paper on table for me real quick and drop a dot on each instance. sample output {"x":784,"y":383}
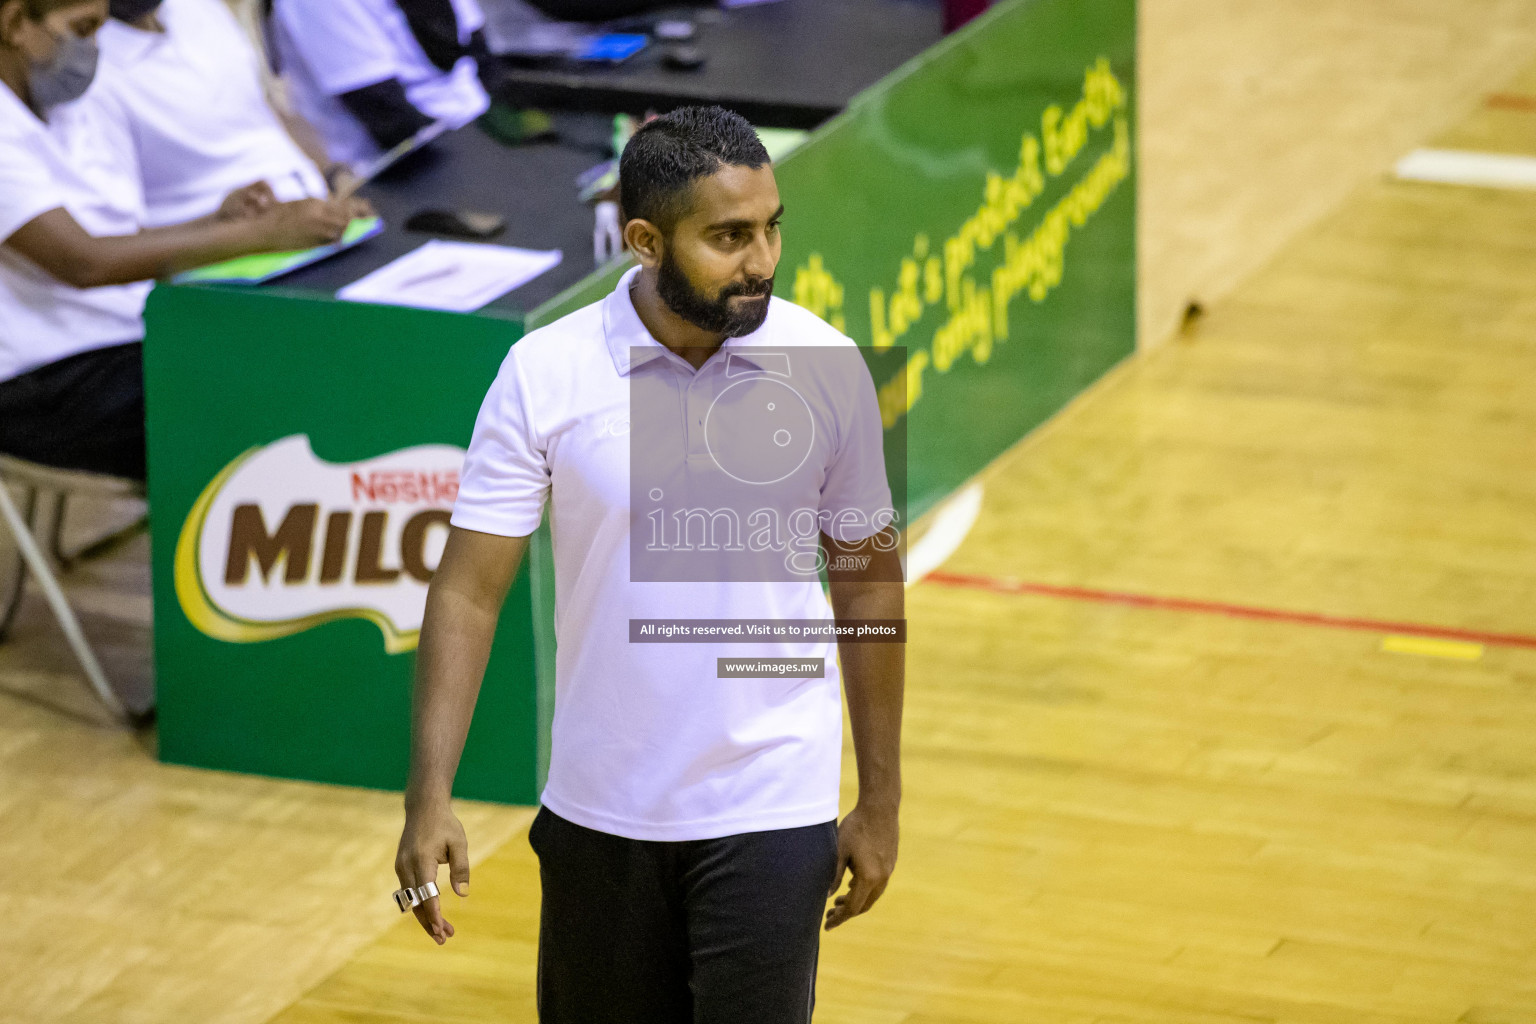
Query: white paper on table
{"x":459,"y":277}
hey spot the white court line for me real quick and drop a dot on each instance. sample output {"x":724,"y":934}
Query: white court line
{"x":1464,"y":167}
{"x":951,"y":523}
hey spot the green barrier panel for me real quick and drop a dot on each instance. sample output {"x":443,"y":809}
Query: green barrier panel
{"x":280,"y":428}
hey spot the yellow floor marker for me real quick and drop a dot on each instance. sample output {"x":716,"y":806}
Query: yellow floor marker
{"x":1431,"y":647}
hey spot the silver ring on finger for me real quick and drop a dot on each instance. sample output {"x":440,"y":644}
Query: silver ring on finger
{"x":408,"y":897}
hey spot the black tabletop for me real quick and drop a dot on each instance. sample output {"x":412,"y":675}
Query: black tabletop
{"x":791,"y":63}
{"x":788,"y":63}
{"x":532,"y":186}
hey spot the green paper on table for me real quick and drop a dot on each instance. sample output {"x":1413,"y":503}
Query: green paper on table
{"x":264,"y":266}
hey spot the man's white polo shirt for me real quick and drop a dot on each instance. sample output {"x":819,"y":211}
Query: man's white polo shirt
{"x":647,"y":743}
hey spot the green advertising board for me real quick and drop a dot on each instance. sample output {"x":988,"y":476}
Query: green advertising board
{"x":970,"y":222}
{"x":304,"y":455}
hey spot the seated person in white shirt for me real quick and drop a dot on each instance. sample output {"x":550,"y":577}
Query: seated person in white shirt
{"x":74,"y":257}
{"x":369,"y":74}
{"x":188,"y":85}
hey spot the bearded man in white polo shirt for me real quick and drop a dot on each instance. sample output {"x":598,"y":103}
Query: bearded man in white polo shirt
{"x":688,"y":839}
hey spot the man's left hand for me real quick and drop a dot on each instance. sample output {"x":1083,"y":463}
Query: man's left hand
{"x":866,"y":845}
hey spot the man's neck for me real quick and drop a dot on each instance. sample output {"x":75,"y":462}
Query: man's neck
{"x":692,"y":343}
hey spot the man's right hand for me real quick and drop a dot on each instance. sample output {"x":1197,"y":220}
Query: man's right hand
{"x":463,"y":602}
{"x":304,"y":224}
{"x":433,"y":836}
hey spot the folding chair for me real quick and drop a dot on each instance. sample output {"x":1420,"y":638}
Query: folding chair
{"x":36,"y":480}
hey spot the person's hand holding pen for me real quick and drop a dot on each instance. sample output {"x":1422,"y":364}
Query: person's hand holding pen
{"x":340,"y":179}
{"x":257,"y":198}
{"x":247,"y":201}
{"x":303,"y":224}
{"x":344,"y":185}
{"x":356,"y":206}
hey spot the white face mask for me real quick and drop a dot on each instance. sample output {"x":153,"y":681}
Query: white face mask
{"x":66,"y":76}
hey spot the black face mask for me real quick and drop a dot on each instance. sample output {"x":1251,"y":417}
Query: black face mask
{"x":131,"y":10}
{"x":716,"y":315}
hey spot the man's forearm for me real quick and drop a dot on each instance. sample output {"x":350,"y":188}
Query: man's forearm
{"x":874,"y":676}
{"x":463,"y":606}
{"x":456,"y":636}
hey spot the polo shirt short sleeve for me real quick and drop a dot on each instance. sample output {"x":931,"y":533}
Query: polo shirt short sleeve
{"x":649,"y":740}
{"x":26,"y":188}
{"x":505,"y":482}
{"x":856,"y":494}
{"x":78,"y":161}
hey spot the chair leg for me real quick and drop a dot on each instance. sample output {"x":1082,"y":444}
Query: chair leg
{"x":33,"y":555}
{"x":99,"y":548}
{"x":13,"y":603}
{"x":103,"y":546}
{"x":60,"y":504}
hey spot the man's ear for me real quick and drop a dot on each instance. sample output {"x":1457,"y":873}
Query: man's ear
{"x":644,"y":239}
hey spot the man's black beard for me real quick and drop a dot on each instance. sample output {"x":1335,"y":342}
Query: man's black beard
{"x":717,"y":315}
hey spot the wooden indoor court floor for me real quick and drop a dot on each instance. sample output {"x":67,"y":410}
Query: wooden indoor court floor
{"x":1158,"y":769}
{"x":1223,"y":713}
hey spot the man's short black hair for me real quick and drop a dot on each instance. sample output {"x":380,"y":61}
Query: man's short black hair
{"x":669,"y":153}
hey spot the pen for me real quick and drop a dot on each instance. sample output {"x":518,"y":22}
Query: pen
{"x":431,"y":275}
{"x":350,"y":185}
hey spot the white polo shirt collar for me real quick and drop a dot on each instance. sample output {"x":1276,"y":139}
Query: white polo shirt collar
{"x":625,"y":332}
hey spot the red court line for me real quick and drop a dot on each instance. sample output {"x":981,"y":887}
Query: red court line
{"x":1510,"y":101}
{"x":1237,"y":611}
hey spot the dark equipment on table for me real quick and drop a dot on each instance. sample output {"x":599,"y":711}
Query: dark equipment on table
{"x":467,"y":224}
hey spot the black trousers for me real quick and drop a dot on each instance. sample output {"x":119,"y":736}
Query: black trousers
{"x":83,"y":412}
{"x":706,"y":931}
